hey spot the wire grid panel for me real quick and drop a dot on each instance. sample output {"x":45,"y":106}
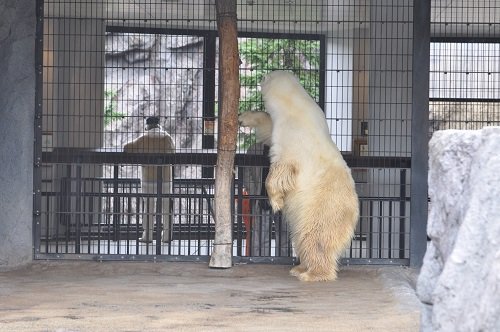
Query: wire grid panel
{"x":465,"y":63}
{"x":130,"y":122}
{"x":464,"y":83}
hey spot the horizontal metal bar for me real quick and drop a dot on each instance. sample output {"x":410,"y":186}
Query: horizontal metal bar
{"x":264,"y":260}
{"x":68,"y":156}
{"x":343,"y":261}
{"x":118,"y":257}
{"x":199,"y":258}
{"x":374,"y":261}
{"x":125,"y":195}
{"x":468,"y":39}
{"x":153,"y":30}
{"x":204,"y":33}
{"x":194,"y":196}
{"x":465,"y":100}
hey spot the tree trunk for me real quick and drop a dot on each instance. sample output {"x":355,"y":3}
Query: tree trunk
{"x":229,"y":94}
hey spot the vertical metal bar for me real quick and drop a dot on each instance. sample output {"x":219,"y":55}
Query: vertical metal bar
{"x":270,"y":232}
{"x":159,"y":206}
{"x":360,"y":230}
{"x":209,"y":58}
{"x":99,"y":220}
{"x":180,"y":224}
{"x":389,"y":235}
{"x":129,"y":215}
{"x":179,"y":212}
{"x":350,"y":245}
{"x":253,"y":223}
{"x":37,"y":149}
{"x":419,"y":130}
{"x":47,"y":234}
{"x":233,"y":203}
{"x":116,"y":208}
{"x":402,"y":214}
{"x":138,"y":208}
{"x":78,"y":207}
{"x":258,"y":219}
{"x":59,"y":185}
{"x":380,"y":227}
{"x":200,"y":223}
{"x":322,"y":71}
{"x":370,"y":230}
{"x":91,"y":215}
{"x":278,"y":232}
{"x":67,"y":205}
{"x":109,"y":221}
{"x":191,"y":214}
{"x":145,"y":212}
{"x":239,"y":214}
{"x":172,"y":216}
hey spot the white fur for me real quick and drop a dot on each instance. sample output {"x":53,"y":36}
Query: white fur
{"x":308,"y":179}
{"x":292,"y":111}
{"x":262,"y":123}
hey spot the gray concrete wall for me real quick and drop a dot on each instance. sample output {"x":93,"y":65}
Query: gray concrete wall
{"x":17,"y":102}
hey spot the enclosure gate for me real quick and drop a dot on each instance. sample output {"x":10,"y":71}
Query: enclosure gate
{"x":127,"y":122}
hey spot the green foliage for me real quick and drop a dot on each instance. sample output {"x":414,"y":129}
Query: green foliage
{"x":245,"y":141}
{"x":263,"y":55}
{"x":110,"y":105}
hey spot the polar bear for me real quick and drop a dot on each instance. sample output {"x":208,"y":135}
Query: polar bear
{"x":308,"y":179}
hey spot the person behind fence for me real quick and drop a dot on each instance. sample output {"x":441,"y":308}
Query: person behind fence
{"x":254,"y":178}
{"x":154,"y":140}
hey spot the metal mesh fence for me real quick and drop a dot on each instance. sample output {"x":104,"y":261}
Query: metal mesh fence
{"x":129,"y":120}
{"x":465,"y":65}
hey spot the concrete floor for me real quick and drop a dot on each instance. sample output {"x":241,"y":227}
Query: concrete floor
{"x":133,"y":296}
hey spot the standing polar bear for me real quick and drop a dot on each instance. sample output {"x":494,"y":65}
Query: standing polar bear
{"x":308,"y":179}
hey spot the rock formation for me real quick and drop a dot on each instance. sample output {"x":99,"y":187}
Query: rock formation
{"x":459,"y":284}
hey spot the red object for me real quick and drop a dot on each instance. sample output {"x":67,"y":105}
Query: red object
{"x":246,"y":211}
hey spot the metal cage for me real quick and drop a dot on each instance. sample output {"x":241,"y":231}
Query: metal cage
{"x":107,"y":66}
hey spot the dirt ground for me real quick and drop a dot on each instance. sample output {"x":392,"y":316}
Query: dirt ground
{"x":133,"y":296}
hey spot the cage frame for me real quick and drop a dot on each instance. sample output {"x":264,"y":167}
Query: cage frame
{"x":417,"y":161}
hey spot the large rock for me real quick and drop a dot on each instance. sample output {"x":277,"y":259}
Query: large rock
{"x":459,"y":284}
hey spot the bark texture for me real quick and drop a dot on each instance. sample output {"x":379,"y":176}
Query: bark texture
{"x":228,"y":126}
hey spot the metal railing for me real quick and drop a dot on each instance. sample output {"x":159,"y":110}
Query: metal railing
{"x":100,"y":218}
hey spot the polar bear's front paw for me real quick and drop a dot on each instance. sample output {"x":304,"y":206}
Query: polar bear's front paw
{"x":276,"y":204}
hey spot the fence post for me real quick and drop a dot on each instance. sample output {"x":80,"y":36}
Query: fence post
{"x":228,"y":126}
{"x":419,"y":131}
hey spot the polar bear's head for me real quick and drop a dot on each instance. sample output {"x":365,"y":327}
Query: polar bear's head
{"x":262,"y":123}
{"x":279,"y":82}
